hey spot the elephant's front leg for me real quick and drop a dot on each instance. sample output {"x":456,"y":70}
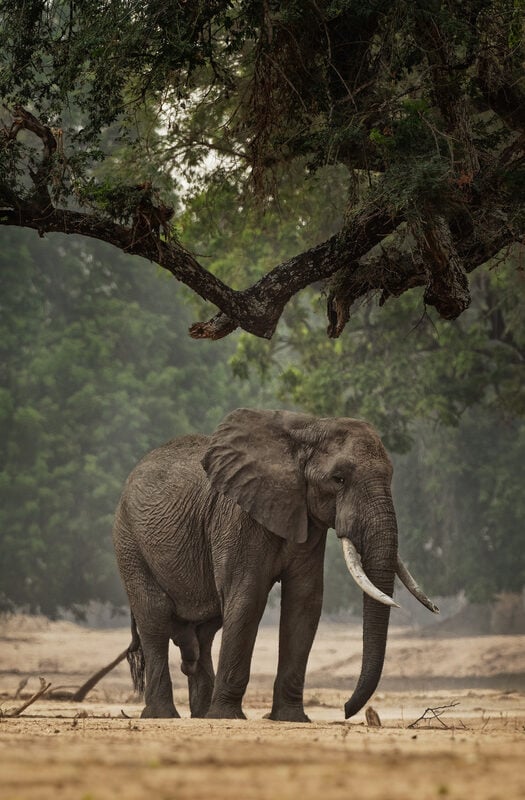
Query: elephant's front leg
{"x":301,"y":601}
{"x":242,"y":613}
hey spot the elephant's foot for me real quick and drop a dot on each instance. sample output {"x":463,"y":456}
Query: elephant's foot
{"x":199,"y":707}
{"x":223,"y":711}
{"x":201,"y":692}
{"x":198,"y":714}
{"x":152,"y":711}
{"x":287,"y":714}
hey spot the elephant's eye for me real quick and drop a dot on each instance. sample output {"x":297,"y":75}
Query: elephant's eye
{"x":338,"y":479}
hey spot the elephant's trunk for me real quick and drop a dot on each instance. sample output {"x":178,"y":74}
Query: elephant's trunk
{"x":375,"y":628}
{"x":379,"y":558}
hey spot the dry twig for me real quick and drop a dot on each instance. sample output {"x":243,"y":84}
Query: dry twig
{"x":15,"y":712}
{"x":434,"y":713}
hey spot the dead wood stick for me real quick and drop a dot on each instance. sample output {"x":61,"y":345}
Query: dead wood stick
{"x":81,"y":693}
{"x":44,"y":687}
{"x":435,"y":714}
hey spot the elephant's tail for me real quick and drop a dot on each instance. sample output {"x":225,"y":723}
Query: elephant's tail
{"x":135,"y":657}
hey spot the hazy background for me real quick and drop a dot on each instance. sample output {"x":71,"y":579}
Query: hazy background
{"x":96,"y":368}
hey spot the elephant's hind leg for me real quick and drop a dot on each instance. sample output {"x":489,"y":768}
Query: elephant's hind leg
{"x":201,"y":682}
{"x":154,"y":616}
{"x":159,"y":691}
{"x":153,"y":611}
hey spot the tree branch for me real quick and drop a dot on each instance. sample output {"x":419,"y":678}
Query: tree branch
{"x":439,"y":261}
{"x":447,"y":86}
{"x":86,"y":687}
{"x":15,"y":712}
{"x":434,"y":713}
{"x":407,"y":259}
{"x":447,"y":288}
{"x":500,"y":72}
{"x":24,"y":120}
{"x":256,"y":309}
{"x":392,"y":267}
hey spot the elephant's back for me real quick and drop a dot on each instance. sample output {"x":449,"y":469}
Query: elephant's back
{"x":167,"y":485}
{"x":181,"y":450}
{"x":177,"y":458}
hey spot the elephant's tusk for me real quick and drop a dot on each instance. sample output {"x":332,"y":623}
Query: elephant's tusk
{"x":355,"y":568}
{"x":406,"y":578}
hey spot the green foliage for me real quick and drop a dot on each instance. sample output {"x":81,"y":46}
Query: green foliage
{"x":447,"y":399}
{"x":450,"y":398}
{"x":460,"y":506}
{"x":395,"y":365}
{"x":95,"y":369}
{"x":257,"y":84}
{"x":239,"y":240}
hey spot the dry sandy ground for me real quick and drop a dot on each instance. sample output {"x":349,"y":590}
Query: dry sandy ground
{"x":90,"y":751}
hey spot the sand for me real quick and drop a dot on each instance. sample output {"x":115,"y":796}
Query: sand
{"x":90,"y":751}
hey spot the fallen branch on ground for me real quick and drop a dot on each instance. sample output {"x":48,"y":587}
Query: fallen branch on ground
{"x":434,"y":713}
{"x":15,"y":712}
{"x":81,"y":693}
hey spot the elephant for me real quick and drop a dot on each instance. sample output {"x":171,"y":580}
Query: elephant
{"x":207,"y":524}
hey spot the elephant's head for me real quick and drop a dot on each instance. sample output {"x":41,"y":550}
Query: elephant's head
{"x":286,"y":469}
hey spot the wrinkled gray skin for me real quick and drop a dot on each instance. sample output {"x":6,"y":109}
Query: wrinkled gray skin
{"x":206,"y":525}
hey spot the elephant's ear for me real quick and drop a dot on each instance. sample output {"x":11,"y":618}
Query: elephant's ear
{"x":253,"y":459}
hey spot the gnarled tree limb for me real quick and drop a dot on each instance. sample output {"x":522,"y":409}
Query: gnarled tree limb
{"x":15,"y":712}
{"x":447,"y":288}
{"x":440,"y":261}
{"x":24,"y":120}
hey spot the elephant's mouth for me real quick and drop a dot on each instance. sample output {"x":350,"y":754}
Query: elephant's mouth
{"x":355,"y":568}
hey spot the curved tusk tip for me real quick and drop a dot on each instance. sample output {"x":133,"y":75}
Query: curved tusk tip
{"x":389,"y":601}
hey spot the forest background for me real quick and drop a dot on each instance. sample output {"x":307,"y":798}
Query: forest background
{"x":97,"y":368}
{"x":255,"y":158}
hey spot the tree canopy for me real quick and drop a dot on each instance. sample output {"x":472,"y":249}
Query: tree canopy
{"x":421,"y":104}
